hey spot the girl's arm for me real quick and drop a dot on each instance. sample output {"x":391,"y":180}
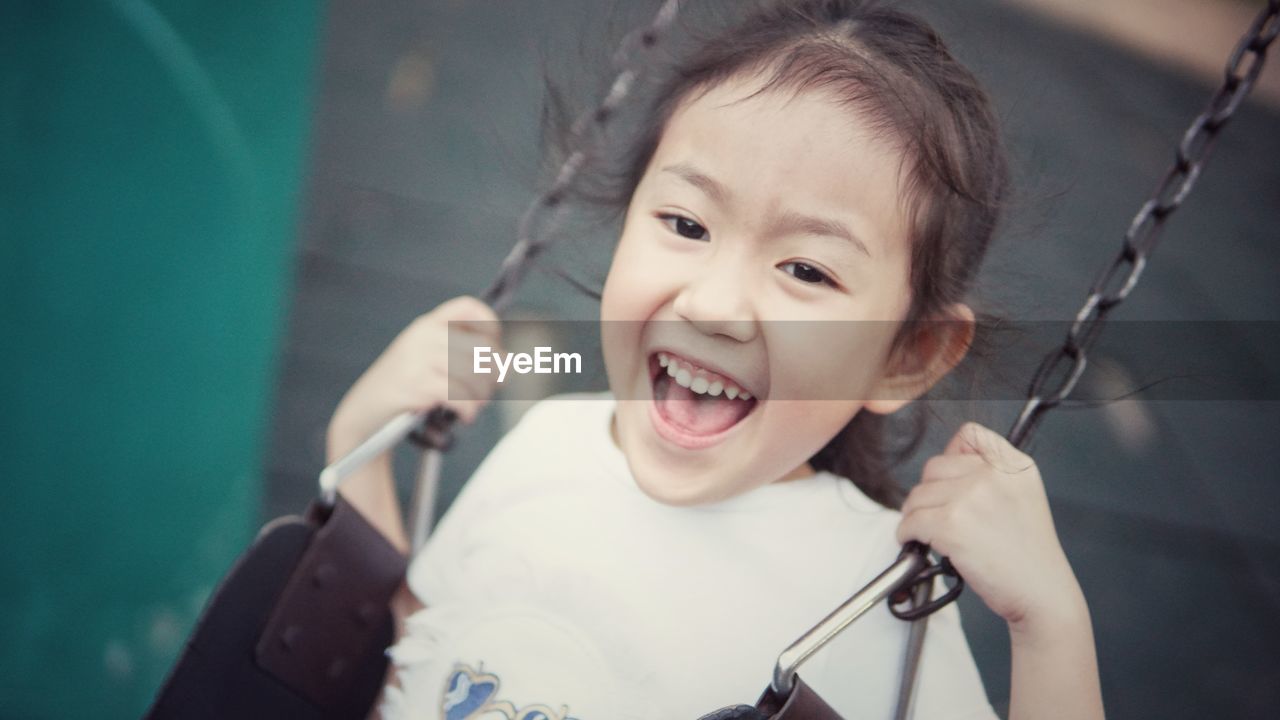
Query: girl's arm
{"x":371,"y":490}
{"x":411,"y":374}
{"x":982,"y":503}
{"x":1055,"y":669}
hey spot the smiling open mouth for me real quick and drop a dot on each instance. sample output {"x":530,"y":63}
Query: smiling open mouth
{"x":695,"y":402}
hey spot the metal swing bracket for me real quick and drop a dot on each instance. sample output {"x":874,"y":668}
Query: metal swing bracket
{"x":432,"y":430}
{"x":898,"y":575}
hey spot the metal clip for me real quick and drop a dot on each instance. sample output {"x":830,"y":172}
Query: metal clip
{"x":904,"y":594}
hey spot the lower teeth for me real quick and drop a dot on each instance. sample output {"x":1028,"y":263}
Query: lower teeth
{"x":696,"y":412}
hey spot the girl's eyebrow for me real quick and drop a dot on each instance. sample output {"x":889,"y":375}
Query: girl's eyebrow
{"x":702,"y":181}
{"x":789,"y":220}
{"x":794,"y":222}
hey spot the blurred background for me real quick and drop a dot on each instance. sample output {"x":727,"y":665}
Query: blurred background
{"x":214,"y":217}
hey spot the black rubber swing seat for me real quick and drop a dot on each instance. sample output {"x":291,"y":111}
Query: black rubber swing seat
{"x":297,"y":629}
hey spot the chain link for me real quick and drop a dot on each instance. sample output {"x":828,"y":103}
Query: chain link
{"x":1061,"y":368}
{"x":1144,"y":231}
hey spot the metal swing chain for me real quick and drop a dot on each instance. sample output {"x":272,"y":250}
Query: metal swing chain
{"x":436,"y":431}
{"x":1115,"y":283}
{"x":1144,"y":231}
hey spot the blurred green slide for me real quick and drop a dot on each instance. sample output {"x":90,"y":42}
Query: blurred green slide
{"x":151,"y":165}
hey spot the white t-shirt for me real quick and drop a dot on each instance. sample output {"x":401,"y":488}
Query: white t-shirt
{"x":556,"y":589}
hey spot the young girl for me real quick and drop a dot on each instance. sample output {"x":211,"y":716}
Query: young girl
{"x":647,"y":552}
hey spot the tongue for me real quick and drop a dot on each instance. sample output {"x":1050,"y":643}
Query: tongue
{"x":700,"y":414}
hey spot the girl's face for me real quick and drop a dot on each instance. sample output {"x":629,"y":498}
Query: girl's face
{"x":757,"y":222}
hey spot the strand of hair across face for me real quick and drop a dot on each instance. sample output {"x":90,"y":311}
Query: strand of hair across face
{"x":528,"y":244}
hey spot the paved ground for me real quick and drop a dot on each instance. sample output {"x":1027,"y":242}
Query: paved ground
{"x":1191,"y":35}
{"x":424,"y":155}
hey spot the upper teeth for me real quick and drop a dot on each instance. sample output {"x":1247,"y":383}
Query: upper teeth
{"x":699,"y":380}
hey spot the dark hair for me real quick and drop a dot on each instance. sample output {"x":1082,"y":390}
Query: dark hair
{"x":893,"y":69}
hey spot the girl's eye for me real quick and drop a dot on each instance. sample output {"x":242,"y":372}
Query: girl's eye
{"x":807,"y":273}
{"x":684,"y":227}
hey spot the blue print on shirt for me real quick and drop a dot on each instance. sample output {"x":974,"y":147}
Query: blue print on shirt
{"x":469,"y":694}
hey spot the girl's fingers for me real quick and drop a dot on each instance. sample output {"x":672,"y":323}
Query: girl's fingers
{"x":468,"y":338}
{"x":929,"y":525}
{"x":460,"y":351}
{"x":438,"y":369}
{"x":464,"y":395}
{"x":464,"y":308}
{"x":947,"y":467}
{"x":466,"y":389}
{"x":933,"y":494}
{"x":970,"y":439}
{"x":467,"y":393}
{"x":973,"y":439}
{"x":413,"y":372}
{"x":454,"y":324}
{"x":467,"y":314}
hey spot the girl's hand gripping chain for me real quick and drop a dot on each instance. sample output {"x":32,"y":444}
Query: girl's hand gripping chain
{"x":983,"y":505}
{"x":412,"y":374}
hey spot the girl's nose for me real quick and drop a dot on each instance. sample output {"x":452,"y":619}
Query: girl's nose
{"x":717,"y":301}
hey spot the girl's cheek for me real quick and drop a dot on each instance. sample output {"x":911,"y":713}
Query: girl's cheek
{"x":816,"y":360}
{"x":617,"y":301}
{"x":638,"y":278}
{"x":801,"y":428}
{"x":624,"y":300}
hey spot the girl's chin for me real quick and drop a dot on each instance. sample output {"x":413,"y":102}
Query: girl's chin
{"x":674,"y":489}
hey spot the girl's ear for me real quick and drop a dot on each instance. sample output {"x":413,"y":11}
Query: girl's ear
{"x":931,"y":350}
